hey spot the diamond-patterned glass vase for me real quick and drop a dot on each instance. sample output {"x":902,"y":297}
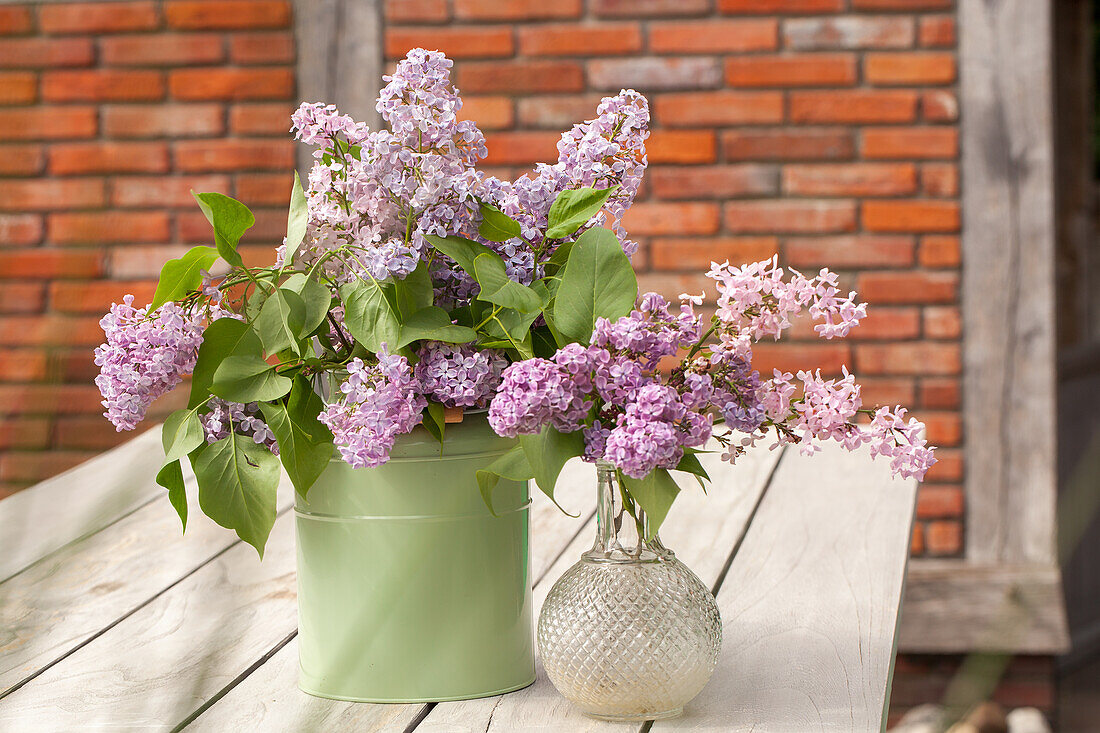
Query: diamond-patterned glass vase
{"x":629,"y":632}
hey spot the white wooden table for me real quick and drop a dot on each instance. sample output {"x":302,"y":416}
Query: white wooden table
{"x":110,"y":619}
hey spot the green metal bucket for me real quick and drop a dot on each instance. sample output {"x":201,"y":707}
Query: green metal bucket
{"x":409,"y":590}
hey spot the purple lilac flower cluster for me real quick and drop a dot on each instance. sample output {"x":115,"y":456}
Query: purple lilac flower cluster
{"x":146,"y":355}
{"x":226,"y":417}
{"x":378,"y":402}
{"x":458,"y":375}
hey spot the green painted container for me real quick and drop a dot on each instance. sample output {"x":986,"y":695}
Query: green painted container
{"x":409,"y":590}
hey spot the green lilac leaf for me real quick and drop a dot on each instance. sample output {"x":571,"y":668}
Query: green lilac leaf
{"x":414,"y":291}
{"x":248,"y":379}
{"x":170,"y":477}
{"x":598,"y":281}
{"x":498,"y":288}
{"x":296,"y":220}
{"x":690,"y":464}
{"x":180,"y":276}
{"x":436,"y":424}
{"x":434,"y":324}
{"x":547,"y":452}
{"x":513,"y":466}
{"x":497,"y":226}
{"x":238,"y":480}
{"x":230,"y":219}
{"x":463,"y":251}
{"x":305,"y":444}
{"x":654,"y":494}
{"x":281,"y":320}
{"x":574,"y":208}
{"x":222,"y":339}
{"x":315,"y":296}
{"x":181,"y":433}
{"x":371,"y":314}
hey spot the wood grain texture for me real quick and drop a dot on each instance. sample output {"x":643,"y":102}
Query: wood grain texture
{"x":1008,"y":279}
{"x":269,"y":699}
{"x":74,"y":504}
{"x":810,"y":604}
{"x":701,"y":529}
{"x":66,"y":598}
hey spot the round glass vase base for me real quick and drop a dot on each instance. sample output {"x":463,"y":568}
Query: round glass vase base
{"x":635,"y":717}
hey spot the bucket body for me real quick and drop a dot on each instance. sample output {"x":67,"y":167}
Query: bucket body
{"x":409,"y":589}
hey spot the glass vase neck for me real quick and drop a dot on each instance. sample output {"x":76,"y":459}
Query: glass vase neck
{"x":621,"y":525}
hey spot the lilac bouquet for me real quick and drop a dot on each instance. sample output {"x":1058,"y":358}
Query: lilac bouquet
{"x":411,"y":283}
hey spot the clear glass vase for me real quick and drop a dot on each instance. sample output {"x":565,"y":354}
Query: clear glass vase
{"x":629,"y":632}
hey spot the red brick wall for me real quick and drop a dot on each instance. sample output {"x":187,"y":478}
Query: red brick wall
{"x":110,"y":112}
{"x":821,"y":130}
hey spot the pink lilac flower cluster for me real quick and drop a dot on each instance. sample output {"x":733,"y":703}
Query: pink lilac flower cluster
{"x":378,"y":402}
{"x":226,"y":417}
{"x":458,"y":375}
{"x":146,"y":355}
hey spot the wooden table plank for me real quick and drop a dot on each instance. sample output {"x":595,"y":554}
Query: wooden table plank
{"x":701,"y":529}
{"x":269,"y":699}
{"x":68,"y":597}
{"x":79,"y":502}
{"x":810,"y":605}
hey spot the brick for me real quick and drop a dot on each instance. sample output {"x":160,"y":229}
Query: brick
{"x":671,"y":284}
{"x":939,"y":251}
{"x":943,"y":322}
{"x":18,"y":87}
{"x":570,"y":39}
{"x":516,"y":9}
{"x":51,"y":263}
{"x":942,"y":393}
{"x":655,"y":72}
{"x":863,"y":105}
{"x":705,"y":109}
{"x":790,"y":215}
{"x":650,"y":8}
{"x":162,"y":50}
{"x":96,"y":297}
{"x":658,"y":217}
{"x":943,"y":428}
{"x":909,"y":69}
{"x":87,"y":432}
{"x":270,"y":226}
{"x":26,"y":432}
{"x":682,"y":253}
{"x":108,"y":157}
{"x":520,"y":76}
{"x":850,"y":179}
{"x":939,"y":105}
{"x":39,"y":399}
{"x":18,"y":230}
{"x":107,"y":226}
{"x":46,"y":52}
{"x":457,"y":42}
{"x":97,"y":17}
{"x":780,"y":6}
{"x":790,"y":357}
{"x":227,"y":14}
{"x":490,"y":113}
{"x":14,"y":19}
{"x":911,"y":216}
{"x":714,"y":36}
{"x":943,"y":537}
{"x":38,"y":465}
{"x":796,"y":144}
{"x":258,"y":189}
{"x":137,"y":261}
{"x":908,"y":287}
{"x":102,"y":85}
{"x":168,"y":120}
{"x":936,"y":30}
{"x":261,"y":48}
{"x":17,"y":297}
{"x":163,"y":191}
{"x":197,"y":156}
{"x":855,"y":251}
{"x":881,"y":324}
{"x":21,"y":160}
{"x":880,"y":391}
{"x":681,"y":146}
{"x":916,"y":547}
{"x":49,"y":330}
{"x":922,"y":143}
{"x":848,"y":32}
{"x":521,"y":148}
{"x":261,"y":119}
{"x":916,"y":359}
{"x":719,"y":181}
{"x":556,"y":112}
{"x":231,"y":84}
{"x":51,"y":194}
{"x":73,"y":366}
{"x":940,"y":501}
{"x":902,"y":4}
{"x":416,"y":11}
{"x":801,"y":70}
{"x":939,"y":179}
{"x":47,"y":123}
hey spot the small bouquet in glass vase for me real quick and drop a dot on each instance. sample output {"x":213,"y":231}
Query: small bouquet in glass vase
{"x":428,"y":340}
